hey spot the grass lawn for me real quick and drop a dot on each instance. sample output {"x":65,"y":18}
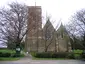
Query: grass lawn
{"x":7,"y":51}
{"x":8,"y":59}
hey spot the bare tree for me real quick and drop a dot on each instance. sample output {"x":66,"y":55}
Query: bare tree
{"x":13,"y":23}
{"x":76,"y":28}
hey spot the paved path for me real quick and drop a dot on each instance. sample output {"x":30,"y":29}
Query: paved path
{"x":30,"y":61}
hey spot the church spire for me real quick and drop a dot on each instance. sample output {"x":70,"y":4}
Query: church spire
{"x":35,"y":2}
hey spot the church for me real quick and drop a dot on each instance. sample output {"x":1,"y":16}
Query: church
{"x":46,"y":39}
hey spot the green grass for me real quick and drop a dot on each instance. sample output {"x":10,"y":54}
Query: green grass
{"x":8,"y":59}
{"x":7,"y":51}
{"x":11,"y":58}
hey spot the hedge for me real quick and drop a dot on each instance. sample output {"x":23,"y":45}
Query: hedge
{"x":53,"y":55}
{"x":5,"y":54}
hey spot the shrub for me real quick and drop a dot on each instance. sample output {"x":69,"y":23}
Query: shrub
{"x":83,"y":54}
{"x":0,"y":54}
{"x":78,"y":51}
{"x":77,"y":54}
{"x":50,"y":55}
{"x":43,"y":55}
{"x":54,"y":55}
{"x":5,"y":54}
{"x":59,"y":55}
{"x":70,"y":56}
{"x":9,"y":53}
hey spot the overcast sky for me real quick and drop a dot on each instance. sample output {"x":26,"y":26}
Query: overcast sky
{"x":57,"y":9}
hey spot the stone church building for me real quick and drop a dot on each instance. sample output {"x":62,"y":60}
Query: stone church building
{"x":45,"y":39}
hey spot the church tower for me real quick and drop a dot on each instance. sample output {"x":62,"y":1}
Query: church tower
{"x":34,"y":20}
{"x":34,"y":26}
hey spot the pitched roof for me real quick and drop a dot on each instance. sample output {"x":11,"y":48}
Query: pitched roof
{"x":48,"y":26}
{"x":61,"y":29}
